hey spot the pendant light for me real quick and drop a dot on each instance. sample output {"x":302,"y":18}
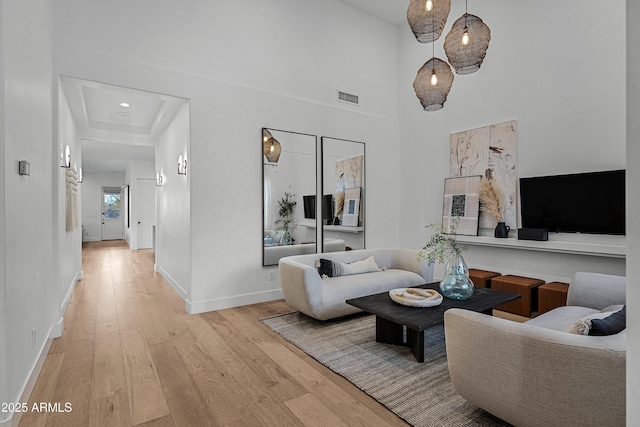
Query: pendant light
{"x":271,"y":148}
{"x":433,"y":83}
{"x":427,"y":18}
{"x":467,"y":43}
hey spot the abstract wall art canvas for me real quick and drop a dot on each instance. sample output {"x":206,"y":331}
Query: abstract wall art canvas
{"x":349,"y":173}
{"x":489,"y":151}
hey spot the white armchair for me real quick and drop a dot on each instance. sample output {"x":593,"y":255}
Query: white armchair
{"x":536,"y":374}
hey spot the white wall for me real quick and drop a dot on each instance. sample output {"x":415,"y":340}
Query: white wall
{"x":136,"y":169}
{"x":4,"y":387}
{"x":173,"y":227}
{"x":4,"y":383}
{"x":30,"y":298}
{"x":68,"y":259}
{"x":543,"y":69}
{"x":91,"y":188}
{"x":240,"y":78}
{"x":633,"y":213}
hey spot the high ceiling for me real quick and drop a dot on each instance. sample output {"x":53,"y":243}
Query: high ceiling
{"x":391,"y":11}
{"x":112,"y":134}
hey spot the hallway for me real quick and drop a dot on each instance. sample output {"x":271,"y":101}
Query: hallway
{"x":130,"y":355}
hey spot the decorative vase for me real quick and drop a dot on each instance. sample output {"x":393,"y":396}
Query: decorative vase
{"x":502,"y":230}
{"x":285,"y":238}
{"x":456,"y":283}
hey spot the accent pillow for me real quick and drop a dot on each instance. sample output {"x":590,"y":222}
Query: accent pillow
{"x":583,"y":325}
{"x":328,"y":268}
{"x":609,"y":325}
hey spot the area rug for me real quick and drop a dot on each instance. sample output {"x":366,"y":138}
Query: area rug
{"x":419,"y":393}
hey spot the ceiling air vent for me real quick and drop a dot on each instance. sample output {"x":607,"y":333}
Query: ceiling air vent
{"x":348,"y":98}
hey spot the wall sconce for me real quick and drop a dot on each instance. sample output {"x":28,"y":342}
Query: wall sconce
{"x":182,"y":165}
{"x":159,"y":180}
{"x":80,"y":176}
{"x":65,"y":157}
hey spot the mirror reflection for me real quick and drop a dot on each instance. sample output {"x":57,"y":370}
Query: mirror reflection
{"x":343,"y":182}
{"x":289,"y":178}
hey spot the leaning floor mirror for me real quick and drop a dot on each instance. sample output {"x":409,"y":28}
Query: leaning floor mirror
{"x":343,"y":183}
{"x":289,"y":194}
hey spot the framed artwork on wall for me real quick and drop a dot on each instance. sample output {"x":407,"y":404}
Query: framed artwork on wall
{"x":351,"y":209}
{"x":462,"y":200}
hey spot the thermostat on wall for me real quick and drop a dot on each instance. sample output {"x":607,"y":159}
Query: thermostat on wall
{"x":24,"y":167}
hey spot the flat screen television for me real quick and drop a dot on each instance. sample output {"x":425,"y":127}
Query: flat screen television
{"x":309,"y":203}
{"x":592,"y":202}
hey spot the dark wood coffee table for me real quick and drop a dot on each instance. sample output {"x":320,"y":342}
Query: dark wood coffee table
{"x":392,"y":318}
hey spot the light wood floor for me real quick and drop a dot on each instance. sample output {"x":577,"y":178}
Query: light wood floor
{"x":130,"y":355}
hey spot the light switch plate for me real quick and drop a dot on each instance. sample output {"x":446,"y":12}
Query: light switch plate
{"x":24,"y":167}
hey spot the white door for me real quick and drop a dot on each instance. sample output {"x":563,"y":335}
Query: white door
{"x":111,"y":214}
{"x":146,"y":208}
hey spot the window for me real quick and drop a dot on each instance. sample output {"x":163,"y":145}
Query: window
{"x":111,"y":204}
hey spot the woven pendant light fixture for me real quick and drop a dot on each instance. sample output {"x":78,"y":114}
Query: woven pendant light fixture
{"x":433,"y":83}
{"x":270,"y":146}
{"x":467,"y":43}
{"x":427,"y":18}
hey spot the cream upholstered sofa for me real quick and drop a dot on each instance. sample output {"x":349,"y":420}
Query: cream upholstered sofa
{"x":324,"y":298}
{"x":272,"y":254}
{"x":535,"y":373}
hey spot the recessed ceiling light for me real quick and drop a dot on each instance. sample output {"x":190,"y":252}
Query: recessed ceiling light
{"x":125,"y":105}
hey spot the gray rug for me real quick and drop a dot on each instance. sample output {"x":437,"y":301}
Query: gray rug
{"x":419,"y":393}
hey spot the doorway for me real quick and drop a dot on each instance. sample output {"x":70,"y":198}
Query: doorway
{"x":112,"y":220}
{"x":146,"y":211}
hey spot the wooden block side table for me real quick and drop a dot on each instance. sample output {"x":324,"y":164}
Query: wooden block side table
{"x":527,"y":287}
{"x":552,"y":295}
{"x":482,"y":278}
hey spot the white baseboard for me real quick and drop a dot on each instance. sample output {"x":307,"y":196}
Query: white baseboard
{"x":230,"y":302}
{"x":55,"y":331}
{"x":166,"y":276}
{"x":57,"y":328}
{"x":70,"y":289}
{"x":218,"y":303}
{"x":30,"y":383}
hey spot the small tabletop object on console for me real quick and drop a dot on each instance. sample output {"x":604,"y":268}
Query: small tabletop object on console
{"x":391,"y":317}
